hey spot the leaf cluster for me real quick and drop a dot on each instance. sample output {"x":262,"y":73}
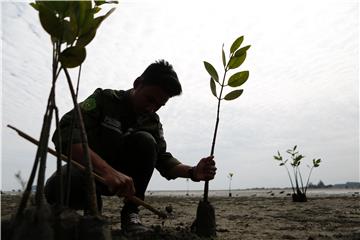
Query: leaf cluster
{"x":236,"y":58}
{"x":73,"y":23}
{"x":296,"y":160}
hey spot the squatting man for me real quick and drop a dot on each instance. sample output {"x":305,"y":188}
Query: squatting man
{"x":126,"y":143}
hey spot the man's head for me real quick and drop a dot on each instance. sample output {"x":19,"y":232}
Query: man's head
{"x":155,"y":86}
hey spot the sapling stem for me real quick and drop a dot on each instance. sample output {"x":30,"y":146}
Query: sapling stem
{"x":206,"y":187}
{"x":93,"y":208}
{"x":291,"y":181}
{"x":307,"y":182}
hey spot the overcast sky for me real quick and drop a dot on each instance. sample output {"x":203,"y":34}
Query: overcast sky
{"x":303,"y":87}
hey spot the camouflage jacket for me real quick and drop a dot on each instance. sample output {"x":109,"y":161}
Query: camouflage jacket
{"x":108,"y":116}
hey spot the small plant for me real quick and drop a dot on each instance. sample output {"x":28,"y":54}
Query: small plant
{"x":230,"y":175}
{"x":187,"y":187}
{"x":299,"y":189}
{"x":204,"y":224}
{"x":20,"y":180}
{"x":237,"y":57}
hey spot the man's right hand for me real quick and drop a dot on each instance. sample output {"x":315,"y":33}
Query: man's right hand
{"x":119,"y":183}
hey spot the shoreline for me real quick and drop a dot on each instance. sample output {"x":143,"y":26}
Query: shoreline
{"x":258,"y":192}
{"x":249,"y":192}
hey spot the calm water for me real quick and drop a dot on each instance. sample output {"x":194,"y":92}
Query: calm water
{"x":258,"y":192}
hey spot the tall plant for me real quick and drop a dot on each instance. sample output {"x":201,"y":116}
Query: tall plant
{"x":236,"y":58}
{"x":299,"y":189}
{"x":204,"y":224}
{"x":72,"y":25}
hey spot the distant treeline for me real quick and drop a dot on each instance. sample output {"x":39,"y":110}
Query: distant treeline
{"x":321,"y":184}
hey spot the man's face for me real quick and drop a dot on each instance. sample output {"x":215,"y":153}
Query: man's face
{"x":148,"y":98}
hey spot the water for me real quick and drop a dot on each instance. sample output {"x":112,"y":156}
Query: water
{"x":258,"y":192}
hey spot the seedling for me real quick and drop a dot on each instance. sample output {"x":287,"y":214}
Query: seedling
{"x":299,"y":189}
{"x":20,"y":180}
{"x":204,"y":223}
{"x":230,"y":176}
{"x":72,"y":25}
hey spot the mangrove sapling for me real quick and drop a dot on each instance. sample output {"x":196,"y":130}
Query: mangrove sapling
{"x":204,"y":224}
{"x":230,"y":176}
{"x":72,"y":25}
{"x":20,"y":180}
{"x":297,"y":184}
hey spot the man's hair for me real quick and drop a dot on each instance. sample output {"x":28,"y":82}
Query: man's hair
{"x":162,"y":74}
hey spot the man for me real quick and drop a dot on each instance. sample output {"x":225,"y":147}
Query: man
{"x":126,"y":143}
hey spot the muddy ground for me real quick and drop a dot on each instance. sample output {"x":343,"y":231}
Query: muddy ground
{"x":250,"y":217}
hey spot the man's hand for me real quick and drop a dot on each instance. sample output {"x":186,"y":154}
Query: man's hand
{"x":205,"y":169}
{"x":119,"y":183}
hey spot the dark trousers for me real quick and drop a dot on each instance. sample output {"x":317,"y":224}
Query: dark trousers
{"x":137,"y":159}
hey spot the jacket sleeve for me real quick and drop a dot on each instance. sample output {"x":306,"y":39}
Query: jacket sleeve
{"x":165,"y":160}
{"x":91,"y":112}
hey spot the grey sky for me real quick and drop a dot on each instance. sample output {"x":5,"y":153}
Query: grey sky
{"x":303,"y":87}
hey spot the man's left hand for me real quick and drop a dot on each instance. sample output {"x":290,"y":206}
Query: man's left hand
{"x":205,"y":169}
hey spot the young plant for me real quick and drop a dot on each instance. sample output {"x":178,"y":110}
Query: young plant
{"x":187,"y":187}
{"x":20,"y":180}
{"x":72,"y":26}
{"x":299,"y":189}
{"x":230,"y":176}
{"x":236,"y":58}
{"x":204,"y":223}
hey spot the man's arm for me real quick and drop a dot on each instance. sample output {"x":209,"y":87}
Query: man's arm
{"x":115,"y":180}
{"x":204,"y":170}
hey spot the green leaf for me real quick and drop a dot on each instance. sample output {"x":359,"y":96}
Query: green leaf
{"x":213,"y":87}
{"x":85,"y":39}
{"x":107,"y":14}
{"x":212,"y":71}
{"x":241,"y":51}
{"x":223,"y":56}
{"x":236,"y":44}
{"x":92,"y":23}
{"x":50,"y":22}
{"x":294,"y":147}
{"x":100,"y":2}
{"x":72,"y":57}
{"x":236,"y":61}
{"x":233,"y":95}
{"x":84,"y":12}
{"x":88,"y":35}
{"x":59,"y":7}
{"x":70,"y":32}
{"x":238,"y":79}
{"x":95,"y":10}
{"x":35,"y":6}
{"x":281,"y":164}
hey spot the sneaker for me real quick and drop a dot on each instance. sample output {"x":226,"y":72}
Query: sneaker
{"x":131,"y":225}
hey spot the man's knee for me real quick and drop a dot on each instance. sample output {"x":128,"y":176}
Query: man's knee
{"x":142,"y":148}
{"x":142,"y":138}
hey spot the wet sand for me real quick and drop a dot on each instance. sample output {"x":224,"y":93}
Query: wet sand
{"x":262,"y":215}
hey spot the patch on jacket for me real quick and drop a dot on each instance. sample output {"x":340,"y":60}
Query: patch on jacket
{"x":112,"y":123}
{"x":89,"y":104}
